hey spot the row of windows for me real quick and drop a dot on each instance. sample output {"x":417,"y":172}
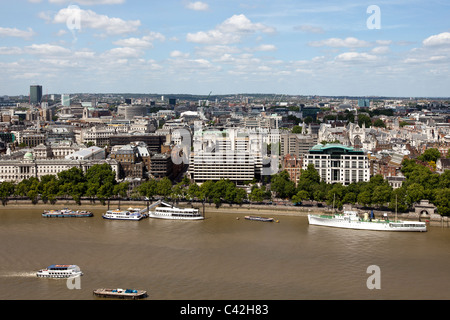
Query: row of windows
{"x":342,"y":157}
{"x":326,"y":164}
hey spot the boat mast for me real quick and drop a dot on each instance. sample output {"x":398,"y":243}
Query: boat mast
{"x":334,"y":198}
{"x":396,"y":207}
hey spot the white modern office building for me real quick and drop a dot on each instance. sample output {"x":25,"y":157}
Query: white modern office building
{"x":235,"y":154}
{"x":337,"y":163}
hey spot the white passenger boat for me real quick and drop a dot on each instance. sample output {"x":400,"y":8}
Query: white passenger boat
{"x":60,"y":271}
{"x":170,"y":212}
{"x":118,"y":214}
{"x":351,"y":220}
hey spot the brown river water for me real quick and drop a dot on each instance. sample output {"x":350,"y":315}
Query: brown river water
{"x":223,"y":257}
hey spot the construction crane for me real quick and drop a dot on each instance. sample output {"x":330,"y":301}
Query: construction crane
{"x":207,"y":98}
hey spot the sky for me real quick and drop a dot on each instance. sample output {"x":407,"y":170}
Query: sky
{"x":311,"y":47}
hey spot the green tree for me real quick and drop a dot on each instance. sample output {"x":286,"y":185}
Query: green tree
{"x":297,"y":129}
{"x":193,"y":191}
{"x":350,"y":198}
{"x":205,"y":191}
{"x":121,"y":189}
{"x":336,"y":195}
{"x":282,"y":185}
{"x":414,"y":193}
{"x":364,"y":119}
{"x":364,"y":198}
{"x":379,"y":123}
{"x":309,"y":181}
{"x":398,"y":201}
{"x":164,"y":187}
{"x":300,"y":196}
{"x":256,"y":194}
{"x":240,"y":196}
{"x":148,"y":188}
{"x":48,"y":188}
{"x":381,"y":195}
{"x":101,"y":179}
{"x":442,"y":201}
{"x":431,"y":154}
{"x":6,"y":190}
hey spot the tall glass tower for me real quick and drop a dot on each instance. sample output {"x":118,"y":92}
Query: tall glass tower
{"x":35,"y":94}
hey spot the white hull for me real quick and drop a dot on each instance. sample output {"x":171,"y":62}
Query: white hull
{"x":168,"y":211}
{"x":367,"y":225}
{"x":171,"y":216}
{"x":59,"y":275}
{"x":60,"y":271}
{"x":123,"y":215}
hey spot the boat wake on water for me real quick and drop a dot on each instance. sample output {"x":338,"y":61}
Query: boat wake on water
{"x":21,"y":274}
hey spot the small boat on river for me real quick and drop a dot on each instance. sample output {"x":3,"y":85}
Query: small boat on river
{"x":120,"y":293}
{"x":66,"y":213}
{"x":256,"y":218}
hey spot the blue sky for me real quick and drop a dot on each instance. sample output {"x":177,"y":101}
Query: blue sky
{"x":226,"y":46}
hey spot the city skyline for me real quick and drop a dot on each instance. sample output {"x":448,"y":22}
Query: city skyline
{"x":226,"y":47}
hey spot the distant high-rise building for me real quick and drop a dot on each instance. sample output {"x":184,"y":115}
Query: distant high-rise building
{"x":35,"y":94}
{"x":65,"y":100}
{"x":363,"y":103}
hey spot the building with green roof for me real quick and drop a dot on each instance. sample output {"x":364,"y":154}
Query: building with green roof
{"x":337,"y":163}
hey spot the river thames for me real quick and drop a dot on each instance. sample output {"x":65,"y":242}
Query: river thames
{"x":223,"y":257}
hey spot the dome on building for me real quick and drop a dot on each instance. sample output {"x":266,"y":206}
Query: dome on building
{"x":28,"y":156}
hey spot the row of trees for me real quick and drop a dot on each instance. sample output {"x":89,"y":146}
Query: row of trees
{"x":99,"y":183}
{"x":218,"y":192}
{"x":421,"y":183}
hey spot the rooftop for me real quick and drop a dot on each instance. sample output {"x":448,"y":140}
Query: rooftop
{"x":335,"y":148}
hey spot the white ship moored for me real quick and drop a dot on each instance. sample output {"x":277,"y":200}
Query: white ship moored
{"x":60,"y":271}
{"x":171,"y":212}
{"x":351,"y":220}
{"x":118,"y":214}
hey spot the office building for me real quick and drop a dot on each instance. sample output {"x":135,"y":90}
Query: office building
{"x":239,"y":155}
{"x":65,"y":100}
{"x":363,"y":103}
{"x":35,"y":94}
{"x":337,"y":163}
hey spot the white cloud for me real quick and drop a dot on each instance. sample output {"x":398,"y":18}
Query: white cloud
{"x":197,"y":6}
{"x":355,"y":56}
{"x":241,"y":24}
{"x":438,"y":40}
{"x":265,"y":47}
{"x":230,"y":31}
{"x":381,"y":50}
{"x":46,"y":49}
{"x":122,"y":52}
{"x":212,"y":36}
{"x":14,"y":32}
{"x":91,"y":20}
{"x":10,"y":50}
{"x":349,"y":42}
{"x":309,"y":29}
{"x":61,"y":33}
{"x":144,"y":42}
{"x":178,"y":54}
